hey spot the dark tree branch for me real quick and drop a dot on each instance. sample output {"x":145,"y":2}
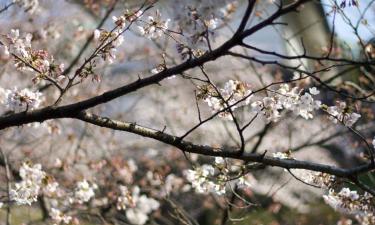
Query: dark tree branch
{"x":53,"y":112}
{"x":221,"y":152}
{"x":6,"y":7}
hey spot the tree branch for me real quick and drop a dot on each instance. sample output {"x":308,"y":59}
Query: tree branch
{"x":221,"y":152}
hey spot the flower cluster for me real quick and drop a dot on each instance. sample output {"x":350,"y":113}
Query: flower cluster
{"x":227,"y":97}
{"x":282,"y":155}
{"x":343,"y":113}
{"x":109,"y":43}
{"x":204,"y":180}
{"x":288,"y":99}
{"x":236,"y":93}
{"x":323,"y":180}
{"x":50,"y":186}
{"x":137,"y":206}
{"x":174,"y":183}
{"x":20,"y":100}
{"x":163,"y":187}
{"x":154,"y":27}
{"x":214,"y":179}
{"x":84,"y":191}
{"x":227,"y":11}
{"x":33,"y":180}
{"x":350,"y":202}
{"x":18,"y":45}
{"x":128,"y":16}
{"x":29,"y":59}
{"x":124,"y":199}
{"x":199,"y":22}
{"x":59,"y":218}
{"x":111,"y":40}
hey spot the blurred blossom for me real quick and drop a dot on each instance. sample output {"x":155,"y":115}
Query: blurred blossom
{"x":137,"y":206}
{"x":59,"y":218}
{"x":84,"y":192}
{"x":20,"y":100}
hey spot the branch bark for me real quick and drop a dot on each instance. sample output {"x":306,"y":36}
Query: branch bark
{"x":190,"y":147}
{"x":53,"y":112}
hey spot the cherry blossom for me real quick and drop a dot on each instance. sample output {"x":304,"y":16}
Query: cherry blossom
{"x":343,"y":114}
{"x":18,"y":45}
{"x":320,"y":179}
{"x":137,"y":206}
{"x":224,"y":134}
{"x":59,"y":218}
{"x":350,"y":202}
{"x":84,"y":191}
{"x":282,"y":155}
{"x":26,"y":191}
{"x":219,"y":99}
{"x":154,"y":26}
{"x":314,"y":91}
{"x":108,"y":43}
{"x":21,"y":100}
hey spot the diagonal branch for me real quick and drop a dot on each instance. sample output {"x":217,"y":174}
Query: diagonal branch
{"x":190,"y":147}
{"x":53,"y":112}
{"x":246,"y":17}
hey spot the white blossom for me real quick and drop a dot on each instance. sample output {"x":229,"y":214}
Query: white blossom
{"x":314,"y":91}
{"x":136,"y":216}
{"x":212,"y":24}
{"x":323,"y":180}
{"x":58,"y":217}
{"x":119,"y":21}
{"x":245,"y":181}
{"x":132,"y":165}
{"x":26,"y":191}
{"x":154,"y":26}
{"x":203,"y":180}
{"x":96,"y":34}
{"x":84,"y":191}
{"x":172,"y":183}
{"x":4,"y":52}
{"x":132,"y":16}
{"x":158,"y":69}
{"x":232,"y":92}
{"x":352,"y":203}
{"x":137,"y":206}
{"x":285,"y":98}
{"x":282,"y":155}
{"x":109,"y":42}
{"x":124,"y":199}
{"x":342,"y":114}
{"x":50,"y":188}
{"x":20,"y":100}
{"x":219,"y":161}
{"x":268,"y":108}
{"x":17,"y":45}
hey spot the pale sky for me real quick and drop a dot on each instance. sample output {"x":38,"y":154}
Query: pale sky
{"x":344,"y":31}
